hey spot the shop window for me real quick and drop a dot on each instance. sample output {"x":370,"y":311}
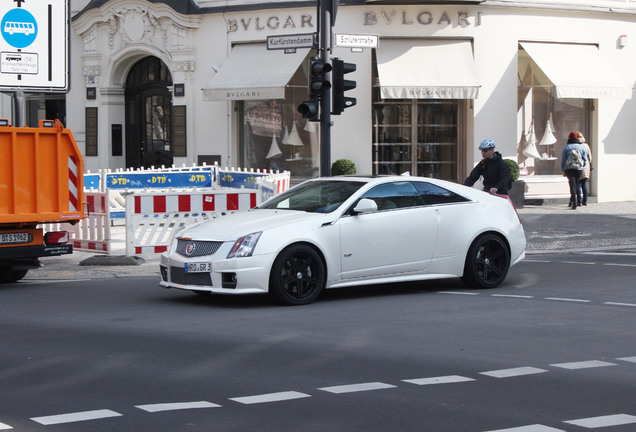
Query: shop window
{"x":544,"y":121}
{"x":420,"y":136}
{"x":273,"y":134}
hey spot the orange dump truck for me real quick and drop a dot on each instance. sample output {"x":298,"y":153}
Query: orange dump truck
{"x":41,"y":181}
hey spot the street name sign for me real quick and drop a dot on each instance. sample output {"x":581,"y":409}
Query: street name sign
{"x":34,"y":45}
{"x":306,"y":40}
{"x":356,"y":41}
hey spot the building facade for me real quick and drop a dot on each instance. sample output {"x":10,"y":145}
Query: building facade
{"x":183,"y":81}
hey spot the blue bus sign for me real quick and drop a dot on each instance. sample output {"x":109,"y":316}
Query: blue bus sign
{"x":34,"y":45}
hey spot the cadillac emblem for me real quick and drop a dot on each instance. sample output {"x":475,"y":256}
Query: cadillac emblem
{"x":190,"y":248}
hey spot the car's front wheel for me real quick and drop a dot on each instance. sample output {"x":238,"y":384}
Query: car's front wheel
{"x":487,"y":262}
{"x":298,"y":275}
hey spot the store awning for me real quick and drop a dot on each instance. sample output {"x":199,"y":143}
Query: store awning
{"x":578,"y":71}
{"x":426,"y":69}
{"x":252,"y":72}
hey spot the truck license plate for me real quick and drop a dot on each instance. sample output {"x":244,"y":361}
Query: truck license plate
{"x":15,"y":238}
{"x":198,"y":267}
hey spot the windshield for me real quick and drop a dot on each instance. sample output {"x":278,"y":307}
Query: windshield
{"x":316,"y":196}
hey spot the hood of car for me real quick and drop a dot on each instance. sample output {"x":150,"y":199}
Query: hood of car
{"x":234,"y":225}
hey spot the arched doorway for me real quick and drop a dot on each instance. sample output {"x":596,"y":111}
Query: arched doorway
{"x":148,"y":114}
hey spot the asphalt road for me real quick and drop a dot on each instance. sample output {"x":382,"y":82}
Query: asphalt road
{"x":553,"y":349}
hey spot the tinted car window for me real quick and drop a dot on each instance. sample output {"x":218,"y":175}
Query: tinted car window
{"x":394,"y":195}
{"x":433,"y":194}
{"x":316,"y":196}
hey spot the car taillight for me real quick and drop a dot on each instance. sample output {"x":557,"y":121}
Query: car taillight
{"x":56,"y":237}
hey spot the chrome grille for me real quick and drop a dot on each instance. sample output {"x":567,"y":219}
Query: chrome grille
{"x":179,"y":276}
{"x":200,"y":248}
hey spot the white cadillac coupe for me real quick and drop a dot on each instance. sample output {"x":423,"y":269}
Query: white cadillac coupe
{"x":333,"y":232}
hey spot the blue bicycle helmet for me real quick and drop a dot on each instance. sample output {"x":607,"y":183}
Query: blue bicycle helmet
{"x":487,"y":144}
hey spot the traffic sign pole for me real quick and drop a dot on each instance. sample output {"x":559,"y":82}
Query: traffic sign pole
{"x":325,"y":97}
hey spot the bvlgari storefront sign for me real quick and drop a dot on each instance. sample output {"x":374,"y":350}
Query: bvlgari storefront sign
{"x":370,"y":18}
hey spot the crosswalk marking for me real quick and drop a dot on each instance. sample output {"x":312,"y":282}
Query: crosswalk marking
{"x":513,"y":372}
{"x":530,"y":428}
{"x":176,"y":406}
{"x":583,"y":364}
{"x":357,"y":387}
{"x":604,"y":421}
{"x":449,"y":379}
{"x":270,"y":397}
{"x":75,"y":417}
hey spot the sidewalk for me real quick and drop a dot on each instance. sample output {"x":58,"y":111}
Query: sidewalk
{"x":551,"y":228}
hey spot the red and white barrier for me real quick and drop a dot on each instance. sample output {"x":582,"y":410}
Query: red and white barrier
{"x":151,"y":217}
{"x":91,"y":234}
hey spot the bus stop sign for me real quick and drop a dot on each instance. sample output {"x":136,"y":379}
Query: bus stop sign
{"x":34,"y":45}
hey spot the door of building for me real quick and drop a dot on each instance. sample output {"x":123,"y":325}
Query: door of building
{"x":148,"y":115}
{"x":421,"y":136}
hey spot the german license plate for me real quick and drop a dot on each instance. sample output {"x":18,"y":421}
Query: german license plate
{"x":198,"y":267}
{"x":15,"y":238}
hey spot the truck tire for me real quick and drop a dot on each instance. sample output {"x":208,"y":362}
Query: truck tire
{"x":8,"y":276}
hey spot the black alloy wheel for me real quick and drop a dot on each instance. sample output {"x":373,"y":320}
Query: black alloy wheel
{"x":298,"y":275}
{"x":487,"y":262}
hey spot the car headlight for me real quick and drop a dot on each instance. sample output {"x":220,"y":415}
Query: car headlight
{"x":244,"y":246}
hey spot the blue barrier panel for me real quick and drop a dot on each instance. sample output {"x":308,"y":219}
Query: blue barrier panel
{"x":91,"y":181}
{"x":159,"y":180}
{"x":232,"y":179}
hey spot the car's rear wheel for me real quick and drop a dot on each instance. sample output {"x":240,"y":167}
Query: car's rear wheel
{"x":298,"y":275}
{"x":487,"y":262}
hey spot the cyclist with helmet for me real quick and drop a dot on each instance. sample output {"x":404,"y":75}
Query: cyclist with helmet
{"x":493,"y":169}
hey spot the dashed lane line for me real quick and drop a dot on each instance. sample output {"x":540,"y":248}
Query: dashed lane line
{"x":75,"y":417}
{"x":458,"y":293}
{"x":627,"y":359}
{"x":352,"y":388}
{"x":567,"y":299}
{"x":5,"y":426}
{"x":620,"y":304}
{"x":620,"y":265}
{"x":583,"y":364}
{"x":513,"y":296}
{"x":448,"y":379}
{"x":270,"y":397}
{"x":604,"y":421}
{"x":513,"y":372}
{"x":152,"y":408}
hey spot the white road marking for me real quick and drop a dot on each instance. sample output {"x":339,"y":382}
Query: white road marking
{"x":176,"y":406}
{"x":620,"y":304}
{"x":357,"y":387}
{"x":439,"y":380}
{"x":512,"y":296}
{"x":628,"y":359}
{"x":536,"y":261}
{"x":578,"y":262}
{"x":5,"y":426}
{"x":75,"y":417}
{"x":620,"y":265}
{"x":604,"y":421}
{"x":457,"y":293}
{"x":270,"y":397}
{"x":513,"y":372}
{"x":567,"y":299}
{"x":583,"y":364}
{"x":530,"y":428}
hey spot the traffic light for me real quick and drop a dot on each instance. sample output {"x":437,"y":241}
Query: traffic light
{"x":317,"y":84}
{"x":340,"y":85}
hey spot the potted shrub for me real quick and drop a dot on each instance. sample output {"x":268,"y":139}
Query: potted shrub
{"x":518,"y":190}
{"x":343,"y":167}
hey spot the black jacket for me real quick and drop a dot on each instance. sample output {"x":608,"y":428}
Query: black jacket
{"x":495,"y":173}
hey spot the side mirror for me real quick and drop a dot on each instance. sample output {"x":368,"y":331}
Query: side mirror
{"x":365,"y":205}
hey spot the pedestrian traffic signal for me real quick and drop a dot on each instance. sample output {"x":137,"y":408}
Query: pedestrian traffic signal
{"x":310,"y":110}
{"x":340,"y":85}
{"x":318,"y":77}
{"x":318,"y":83}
